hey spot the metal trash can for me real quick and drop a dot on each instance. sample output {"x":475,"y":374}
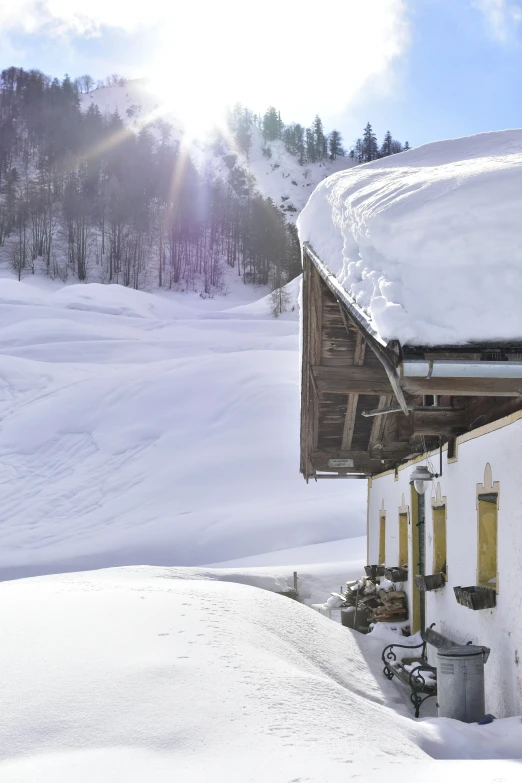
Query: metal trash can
{"x":460,"y":682}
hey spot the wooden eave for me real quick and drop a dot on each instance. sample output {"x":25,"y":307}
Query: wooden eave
{"x":348,"y":372}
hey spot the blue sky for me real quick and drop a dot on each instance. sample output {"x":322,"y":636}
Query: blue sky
{"x":459,"y":75}
{"x":426,"y":69}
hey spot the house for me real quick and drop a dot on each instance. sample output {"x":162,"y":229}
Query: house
{"x":412,"y":358}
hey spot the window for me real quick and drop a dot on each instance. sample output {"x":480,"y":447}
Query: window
{"x":403,"y":540}
{"x":382,"y":539}
{"x":487,"y":518}
{"x":487,"y":539}
{"x":439,"y":539}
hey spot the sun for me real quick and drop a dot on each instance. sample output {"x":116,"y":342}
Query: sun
{"x":188,"y":102}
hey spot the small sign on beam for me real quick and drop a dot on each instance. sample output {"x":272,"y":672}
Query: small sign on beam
{"x":341,"y":463}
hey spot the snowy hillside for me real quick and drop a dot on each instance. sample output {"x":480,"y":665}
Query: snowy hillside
{"x":279,"y":177}
{"x":152,"y":428}
{"x":129,"y":675}
{"x":428,"y":241}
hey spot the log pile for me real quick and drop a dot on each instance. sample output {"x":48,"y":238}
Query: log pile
{"x":372,"y":600}
{"x":391,"y":608}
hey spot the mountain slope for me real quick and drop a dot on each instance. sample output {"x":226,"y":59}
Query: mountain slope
{"x":279,"y":177}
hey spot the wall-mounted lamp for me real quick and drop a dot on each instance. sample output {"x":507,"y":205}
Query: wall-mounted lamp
{"x":421,"y":477}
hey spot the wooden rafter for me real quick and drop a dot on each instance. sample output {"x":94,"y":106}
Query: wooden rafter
{"x":351,"y":403}
{"x":378,"y":424}
{"x":351,"y":380}
{"x":373,"y":380}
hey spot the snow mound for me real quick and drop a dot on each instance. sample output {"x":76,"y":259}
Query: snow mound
{"x":429,"y":241}
{"x":148,"y":674}
{"x":129,"y":669}
{"x":118,"y":300}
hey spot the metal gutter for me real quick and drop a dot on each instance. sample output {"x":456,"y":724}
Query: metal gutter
{"x":466,"y":369}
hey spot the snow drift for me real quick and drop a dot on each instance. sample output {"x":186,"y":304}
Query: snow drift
{"x":135,"y":671}
{"x":429,"y":241}
{"x":151,"y":674}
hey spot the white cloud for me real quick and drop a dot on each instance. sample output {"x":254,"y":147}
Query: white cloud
{"x":297,"y":55}
{"x":502,"y":17}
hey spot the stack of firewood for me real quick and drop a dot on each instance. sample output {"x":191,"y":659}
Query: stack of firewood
{"x":372,"y":600}
{"x":391,"y":607}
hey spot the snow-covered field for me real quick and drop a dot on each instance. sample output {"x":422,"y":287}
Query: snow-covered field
{"x":428,"y":241}
{"x":152,"y":428}
{"x":141,"y":674}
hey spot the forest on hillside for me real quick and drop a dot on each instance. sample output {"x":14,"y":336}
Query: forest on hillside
{"x":83,"y":196}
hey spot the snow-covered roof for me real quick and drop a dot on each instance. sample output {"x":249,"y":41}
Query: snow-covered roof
{"x":428,"y":242}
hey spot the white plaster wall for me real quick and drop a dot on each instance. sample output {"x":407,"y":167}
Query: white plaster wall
{"x":499,"y":628}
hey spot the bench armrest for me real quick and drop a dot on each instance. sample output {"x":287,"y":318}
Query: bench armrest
{"x":416,"y":679}
{"x":388,"y":655}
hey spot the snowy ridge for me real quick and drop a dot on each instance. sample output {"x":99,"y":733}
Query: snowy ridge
{"x":429,"y":241}
{"x":279,"y":177}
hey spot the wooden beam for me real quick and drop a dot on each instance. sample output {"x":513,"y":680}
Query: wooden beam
{"x":351,"y":380}
{"x":378,"y":424}
{"x":351,"y":403}
{"x":312,"y":308}
{"x":389,"y":451}
{"x":373,"y":380}
{"x":316,"y":319}
{"x":464,"y":387}
{"x":443,"y":423}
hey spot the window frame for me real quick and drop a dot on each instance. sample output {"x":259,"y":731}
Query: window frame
{"x":404,"y":538}
{"x":487,"y":499}
{"x":439,"y":530}
{"x":382,"y":538}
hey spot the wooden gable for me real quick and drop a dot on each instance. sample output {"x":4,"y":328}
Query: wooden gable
{"x":349,"y":376}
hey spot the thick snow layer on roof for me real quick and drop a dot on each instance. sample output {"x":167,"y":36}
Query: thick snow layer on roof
{"x":429,"y":242}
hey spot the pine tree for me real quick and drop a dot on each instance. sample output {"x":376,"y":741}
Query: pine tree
{"x":386,"y":146}
{"x":319,"y":137}
{"x":370,"y":148}
{"x":300,"y":143}
{"x":335,"y":145}
{"x":311,"y":152}
{"x":358,"y":151}
{"x":280,"y":125}
{"x":271,"y":124}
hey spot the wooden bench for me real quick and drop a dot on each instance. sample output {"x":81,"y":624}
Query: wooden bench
{"x":420,"y":677}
